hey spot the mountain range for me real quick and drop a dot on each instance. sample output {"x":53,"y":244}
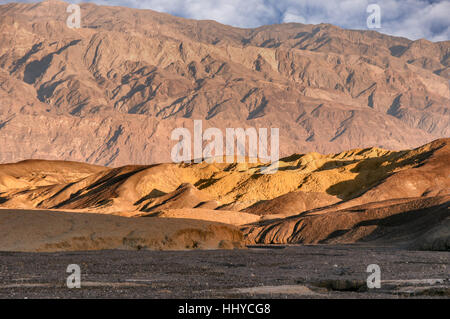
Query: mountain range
{"x":111,"y":92}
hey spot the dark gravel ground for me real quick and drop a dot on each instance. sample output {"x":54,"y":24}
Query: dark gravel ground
{"x":293,"y":272}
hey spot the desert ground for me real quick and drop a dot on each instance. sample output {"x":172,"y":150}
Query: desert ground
{"x":317,"y":271}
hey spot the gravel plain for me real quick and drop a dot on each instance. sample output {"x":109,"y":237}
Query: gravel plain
{"x":318,"y":271}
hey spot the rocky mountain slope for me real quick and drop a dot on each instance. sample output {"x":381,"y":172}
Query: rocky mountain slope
{"x":111,"y":92}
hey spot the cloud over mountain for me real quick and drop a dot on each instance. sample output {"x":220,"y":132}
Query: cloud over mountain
{"x":413,"y":19}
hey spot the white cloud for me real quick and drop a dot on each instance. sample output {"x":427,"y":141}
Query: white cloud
{"x":409,"y":18}
{"x":293,"y":17}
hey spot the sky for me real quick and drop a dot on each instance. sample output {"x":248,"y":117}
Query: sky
{"x":413,"y":19}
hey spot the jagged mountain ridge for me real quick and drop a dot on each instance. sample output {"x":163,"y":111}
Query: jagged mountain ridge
{"x":111,"y":92}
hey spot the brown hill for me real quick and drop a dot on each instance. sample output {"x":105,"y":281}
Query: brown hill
{"x":220,"y":216}
{"x":302,"y":183}
{"x":40,"y":173}
{"x":292,"y":203}
{"x":411,"y":205}
{"x":415,"y":222}
{"x":111,"y":92}
{"x":359,"y":195}
{"x":45,"y":231}
{"x":185,"y":196}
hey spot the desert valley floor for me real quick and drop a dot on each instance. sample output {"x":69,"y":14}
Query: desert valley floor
{"x":318,"y":271}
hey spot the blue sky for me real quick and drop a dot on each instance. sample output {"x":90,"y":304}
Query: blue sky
{"x":413,"y":19}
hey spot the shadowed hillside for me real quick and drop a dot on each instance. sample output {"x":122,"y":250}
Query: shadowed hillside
{"x":361,"y":195}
